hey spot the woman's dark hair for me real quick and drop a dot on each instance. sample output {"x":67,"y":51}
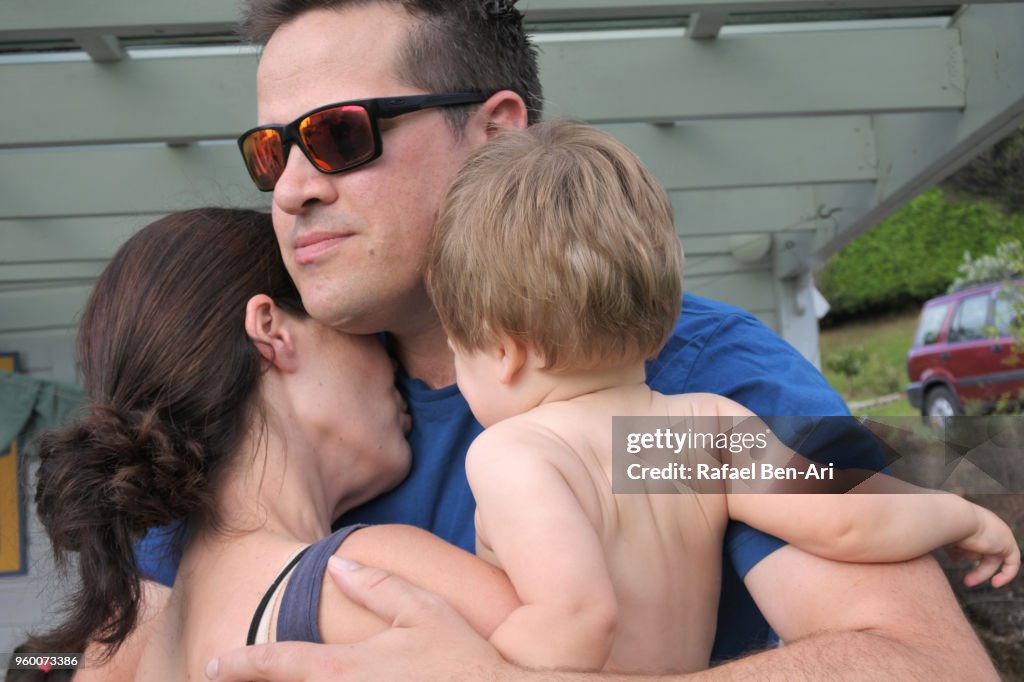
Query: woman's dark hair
{"x":171,"y":377}
{"x":28,"y":674}
{"x":454,"y":46}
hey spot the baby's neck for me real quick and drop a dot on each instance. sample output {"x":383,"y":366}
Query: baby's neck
{"x":574,"y":384}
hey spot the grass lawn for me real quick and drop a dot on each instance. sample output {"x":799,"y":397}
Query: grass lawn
{"x":900,"y":408}
{"x":883,"y":342}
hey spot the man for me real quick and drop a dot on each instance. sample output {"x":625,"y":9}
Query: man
{"x":353,"y":239}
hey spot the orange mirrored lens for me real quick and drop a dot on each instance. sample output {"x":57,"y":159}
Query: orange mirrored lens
{"x":338,"y":138}
{"x":264,"y":157}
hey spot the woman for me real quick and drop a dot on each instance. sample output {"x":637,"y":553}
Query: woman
{"x":216,"y":399}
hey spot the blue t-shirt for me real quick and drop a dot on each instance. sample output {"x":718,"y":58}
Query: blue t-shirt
{"x":715,"y":348}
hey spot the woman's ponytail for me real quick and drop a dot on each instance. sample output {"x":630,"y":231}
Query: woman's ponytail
{"x":171,"y":376}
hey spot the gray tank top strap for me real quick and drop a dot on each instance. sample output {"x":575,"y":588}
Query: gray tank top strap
{"x":300,"y":605}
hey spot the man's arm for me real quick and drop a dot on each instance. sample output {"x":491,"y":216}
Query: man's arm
{"x":850,"y":621}
{"x":875,"y":621}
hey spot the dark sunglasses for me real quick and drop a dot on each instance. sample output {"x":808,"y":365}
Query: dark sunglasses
{"x":336,"y":137}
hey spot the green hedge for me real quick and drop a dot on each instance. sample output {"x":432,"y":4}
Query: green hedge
{"x":913,"y":255}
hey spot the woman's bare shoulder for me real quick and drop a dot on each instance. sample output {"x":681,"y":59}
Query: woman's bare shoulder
{"x":475,"y":588}
{"x":124,"y":664}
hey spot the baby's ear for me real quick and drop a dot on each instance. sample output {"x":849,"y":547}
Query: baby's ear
{"x":514,"y":355}
{"x":272,"y":330}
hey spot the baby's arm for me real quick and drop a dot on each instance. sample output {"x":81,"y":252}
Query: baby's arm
{"x":898,"y":525}
{"x":882,"y":519}
{"x":474,"y":588}
{"x":532,"y":521}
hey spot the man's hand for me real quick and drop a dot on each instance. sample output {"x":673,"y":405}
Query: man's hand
{"x":842,"y":621}
{"x":435,"y":642}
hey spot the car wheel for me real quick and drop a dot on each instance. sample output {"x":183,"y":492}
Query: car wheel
{"x":939,"y":405}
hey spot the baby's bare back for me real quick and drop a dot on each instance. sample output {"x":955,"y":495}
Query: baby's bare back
{"x":664,"y":551}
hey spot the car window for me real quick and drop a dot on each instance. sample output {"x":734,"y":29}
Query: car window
{"x":931,"y":324}
{"x":1007,"y":314}
{"x":970,"y":319}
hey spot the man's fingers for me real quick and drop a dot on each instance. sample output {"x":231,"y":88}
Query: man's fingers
{"x":430,"y":641}
{"x":278,"y":662}
{"x":393,"y":599}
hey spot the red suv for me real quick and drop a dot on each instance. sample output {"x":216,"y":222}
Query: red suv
{"x":963,"y":351}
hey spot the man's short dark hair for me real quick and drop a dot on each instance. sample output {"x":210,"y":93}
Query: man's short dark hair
{"x":454,"y":46}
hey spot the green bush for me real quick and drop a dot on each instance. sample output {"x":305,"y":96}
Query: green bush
{"x":913,"y":255}
{"x":848,"y":362}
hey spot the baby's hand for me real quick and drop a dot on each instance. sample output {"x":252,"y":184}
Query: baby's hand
{"x":992,"y":545}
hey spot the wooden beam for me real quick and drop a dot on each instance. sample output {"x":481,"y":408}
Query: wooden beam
{"x":101,"y":48}
{"x":166,"y":100}
{"x":710,"y":222}
{"x":796,"y":320}
{"x":700,"y":155}
{"x":705,"y":25}
{"x":727,"y":213}
{"x":757,"y":153}
{"x":760,"y":75}
{"x":42,"y":308}
{"x":752,"y":290}
{"x":838,"y":207}
{"x":916,"y":152}
{"x":212,"y":97}
{"x":28,"y":274}
{"x":55,"y":241}
{"x":124,"y":181}
{"x":583,"y":10}
{"x":50,"y":19}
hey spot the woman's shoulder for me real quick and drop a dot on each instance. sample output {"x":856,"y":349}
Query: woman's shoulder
{"x":478,"y":590}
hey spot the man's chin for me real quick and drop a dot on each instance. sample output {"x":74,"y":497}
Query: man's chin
{"x":345,"y":317}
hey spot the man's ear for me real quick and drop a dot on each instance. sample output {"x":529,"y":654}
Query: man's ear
{"x":270,"y":328}
{"x":513,"y":355}
{"x":504,"y":110}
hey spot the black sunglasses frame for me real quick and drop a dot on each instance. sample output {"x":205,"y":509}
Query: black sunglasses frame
{"x":376,"y":109}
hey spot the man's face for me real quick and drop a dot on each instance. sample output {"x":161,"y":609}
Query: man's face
{"x":355,"y":242}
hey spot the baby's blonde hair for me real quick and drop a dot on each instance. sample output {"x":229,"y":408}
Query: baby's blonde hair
{"x":558,"y":236}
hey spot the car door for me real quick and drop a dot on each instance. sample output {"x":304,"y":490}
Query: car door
{"x":923,"y":364}
{"x":1007,"y":379}
{"x":974,"y":355}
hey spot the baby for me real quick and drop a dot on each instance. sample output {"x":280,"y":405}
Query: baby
{"x":556,"y":271}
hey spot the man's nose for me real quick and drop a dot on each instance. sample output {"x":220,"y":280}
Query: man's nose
{"x":301,"y":184}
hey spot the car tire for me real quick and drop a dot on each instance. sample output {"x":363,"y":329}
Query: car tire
{"x":940,"y":404}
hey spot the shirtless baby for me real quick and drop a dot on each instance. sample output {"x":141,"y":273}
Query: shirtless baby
{"x":556,"y":271}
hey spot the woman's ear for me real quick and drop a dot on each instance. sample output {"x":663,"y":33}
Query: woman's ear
{"x":271,"y":329}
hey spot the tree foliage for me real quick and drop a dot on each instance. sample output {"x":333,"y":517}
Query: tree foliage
{"x":914,"y":254}
{"x":996,"y":174}
{"x":1006,"y":263}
